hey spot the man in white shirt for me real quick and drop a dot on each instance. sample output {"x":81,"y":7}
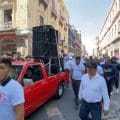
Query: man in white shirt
{"x":92,"y":90}
{"x":77,"y":70}
{"x":11,"y":94}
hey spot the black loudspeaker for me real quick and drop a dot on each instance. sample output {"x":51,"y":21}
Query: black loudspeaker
{"x":44,"y":41}
{"x":40,"y":49}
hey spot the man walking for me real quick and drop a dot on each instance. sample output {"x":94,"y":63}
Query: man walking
{"x":92,"y":90}
{"x":11,"y":94}
{"x":116,"y":67}
{"x":77,"y":70}
{"x":109,"y":73}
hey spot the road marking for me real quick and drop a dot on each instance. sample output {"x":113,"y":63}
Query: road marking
{"x":53,"y":112}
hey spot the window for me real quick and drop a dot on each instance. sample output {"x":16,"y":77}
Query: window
{"x":113,"y":12}
{"x":8,"y":15}
{"x":41,"y":20}
{"x":53,"y":4}
{"x":16,"y":70}
{"x":115,"y":31}
{"x":119,"y":25}
{"x":112,"y":32}
{"x":110,"y":19}
{"x":34,"y":72}
{"x":54,"y":66}
{"x":116,"y":5}
{"x":39,"y":1}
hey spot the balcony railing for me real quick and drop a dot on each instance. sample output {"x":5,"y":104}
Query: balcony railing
{"x":45,"y":2}
{"x":6,"y":26}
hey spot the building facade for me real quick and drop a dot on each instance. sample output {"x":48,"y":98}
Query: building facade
{"x":109,"y":38}
{"x":78,"y":42}
{"x":72,"y":39}
{"x":75,"y":42}
{"x":18,"y":17}
{"x":97,"y":48}
{"x":84,"y":51}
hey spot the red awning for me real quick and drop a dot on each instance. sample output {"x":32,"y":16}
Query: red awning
{"x":8,"y":35}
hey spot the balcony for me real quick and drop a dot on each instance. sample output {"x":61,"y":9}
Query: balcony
{"x":54,"y":12}
{"x":45,"y":2}
{"x":6,"y":26}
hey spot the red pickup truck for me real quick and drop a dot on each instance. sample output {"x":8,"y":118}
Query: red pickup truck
{"x":38,"y":85}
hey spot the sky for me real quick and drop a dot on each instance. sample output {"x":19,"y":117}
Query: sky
{"x":89,"y":17}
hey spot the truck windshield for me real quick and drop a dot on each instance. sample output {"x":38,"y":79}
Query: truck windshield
{"x":16,"y":70}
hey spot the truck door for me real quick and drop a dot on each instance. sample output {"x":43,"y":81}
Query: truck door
{"x":35,"y":87}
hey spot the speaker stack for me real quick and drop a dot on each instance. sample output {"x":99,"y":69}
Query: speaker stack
{"x":45,"y":45}
{"x":44,"y":41}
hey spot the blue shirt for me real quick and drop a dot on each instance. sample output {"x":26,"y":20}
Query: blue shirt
{"x":10,"y":95}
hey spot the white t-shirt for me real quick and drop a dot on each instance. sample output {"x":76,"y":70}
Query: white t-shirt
{"x":77,"y":70}
{"x":10,"y":95}
{"x":100,"y":70}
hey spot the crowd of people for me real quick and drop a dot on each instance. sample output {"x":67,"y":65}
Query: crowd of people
{"x":16,"y":56}
{"x":93,"y":81}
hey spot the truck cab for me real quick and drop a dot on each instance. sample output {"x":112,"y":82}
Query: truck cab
{"x":39,"y":86}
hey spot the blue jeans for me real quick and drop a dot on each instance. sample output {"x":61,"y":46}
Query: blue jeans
{"x":95,"y":109}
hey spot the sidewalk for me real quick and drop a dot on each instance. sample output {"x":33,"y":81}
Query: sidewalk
{"x":114,"y":107}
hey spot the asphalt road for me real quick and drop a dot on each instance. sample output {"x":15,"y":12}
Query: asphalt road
{"x":62,"y":109}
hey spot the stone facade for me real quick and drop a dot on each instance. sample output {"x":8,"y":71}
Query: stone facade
{"x":110,"y":34}
{"x":29,"y":13}
{"x":72,"y":39}
{"x":78,"y":42}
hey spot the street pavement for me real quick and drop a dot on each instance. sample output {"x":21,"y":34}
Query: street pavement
{"x":63,"y":109}
{"x":114,"y":107}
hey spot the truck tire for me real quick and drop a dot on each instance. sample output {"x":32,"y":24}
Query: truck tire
{"x":60,"y":90}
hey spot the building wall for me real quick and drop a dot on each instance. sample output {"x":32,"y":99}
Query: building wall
{"x":40,"y":10}
{"x":109,"y":34}
{"x":78,"y":42}
{"x":71,"y":40}
{"x":27,"y":14}
{"x":21,"y":15}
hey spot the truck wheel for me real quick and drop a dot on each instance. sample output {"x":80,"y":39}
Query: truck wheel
{"x":60,"y":90}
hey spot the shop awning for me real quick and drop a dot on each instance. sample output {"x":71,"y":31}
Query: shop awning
{"x":8,"y":35}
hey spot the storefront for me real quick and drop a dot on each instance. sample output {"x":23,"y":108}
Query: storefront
{"x":8,"y":42}
{"x":117,"y":48}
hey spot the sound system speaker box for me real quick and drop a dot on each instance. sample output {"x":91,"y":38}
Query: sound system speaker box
{"x":44,"y":41}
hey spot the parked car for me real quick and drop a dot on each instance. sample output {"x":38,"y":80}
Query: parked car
{"x":39,"y":86}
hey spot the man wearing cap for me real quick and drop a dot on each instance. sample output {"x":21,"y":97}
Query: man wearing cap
{"x":11,"y":94}
{"x":92,"y":90}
